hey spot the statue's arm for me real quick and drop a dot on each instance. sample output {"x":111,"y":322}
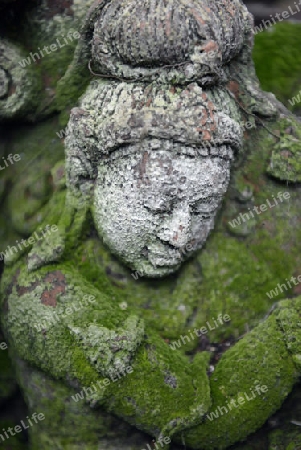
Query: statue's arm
{"x":53,"y":325}
{"x":158,"y":390}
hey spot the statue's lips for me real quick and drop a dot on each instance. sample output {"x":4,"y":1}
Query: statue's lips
{"x":162,"y":254}
{"x":164,"y":263}
{"x":160,"y":259}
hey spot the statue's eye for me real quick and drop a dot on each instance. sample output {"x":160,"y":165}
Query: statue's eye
{"x":204,"y":207}
{"x":158,"y":207}
{"x":204,"y":215}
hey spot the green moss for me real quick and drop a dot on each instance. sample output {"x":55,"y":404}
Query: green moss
{"x":73,"y":362}
{"x":53,"y":399}
{"x":69,"y":90}
{"x":237,"y":375}
{"x":278,"y":61}
{"x":287,"y":439}
{"x":16,"y":442}
{"x":30,"y":179}
{"x":285,"y":163}
{"x":230,"y":276}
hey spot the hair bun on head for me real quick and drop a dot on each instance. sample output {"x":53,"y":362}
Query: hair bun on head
{"x":186,"y":39}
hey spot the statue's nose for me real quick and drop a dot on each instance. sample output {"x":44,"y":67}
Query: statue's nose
{"x":176,"y":228}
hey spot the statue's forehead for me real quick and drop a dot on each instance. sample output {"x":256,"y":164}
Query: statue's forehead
{"x":173,"y":172}
{"x":113,"y":117}
{"x":163,"y":175}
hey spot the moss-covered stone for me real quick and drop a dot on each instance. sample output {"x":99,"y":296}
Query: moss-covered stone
{"x":8,"y":383}
{"x":285,"y":163}
{"x":174,"y":306}
{"x":28,"y":182}
{"x":21,"y":87}
{"x":278,"y":61}
{"x":288,"y":439}
{"x":54,"y":399}
{"x":166,"y":393}
{"x":44,"y":40}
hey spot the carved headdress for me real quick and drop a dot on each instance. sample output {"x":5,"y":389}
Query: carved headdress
{"x":174,"y":62}
{"x":186,"y":39}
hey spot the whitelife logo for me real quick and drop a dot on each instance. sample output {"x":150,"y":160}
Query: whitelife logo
{"x":53,"y":48}
{"x":275,"y":292}
{"x":285,"y":15}
{"x":18,"y":428}
{"x":296,"y":99}
{"x":183,"y":339}
{"x":264,"y":207}
{"x":221,"y":410}
{"x":11,"y":158}
{"x":26,"y":242}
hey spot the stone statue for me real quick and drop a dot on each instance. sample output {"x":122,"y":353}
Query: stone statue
{"x":159,"y":177}
{"x":157,"y":152}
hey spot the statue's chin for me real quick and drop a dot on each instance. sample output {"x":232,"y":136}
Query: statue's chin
{"x":158,"y":271}
{"x":155,"y":263}
{"x":149,"y":270}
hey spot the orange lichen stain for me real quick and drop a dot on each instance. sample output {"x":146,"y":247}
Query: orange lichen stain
{"x":142,"y":25}
{"x":197,"y":17}
{"x":168,"y":27}
{"x":204,"y":118}
{"x":58,"y":282}
{"x":233,"y":86}
{"x":206,"y":135}
{"x":210,"y":46}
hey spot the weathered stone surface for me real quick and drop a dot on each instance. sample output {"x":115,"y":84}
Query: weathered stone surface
{"x":19,"y":87}
{"x":155,"y":143}
{"x":141,"y":139}
{"x":35,"y":54}
{"x":185,"y":40}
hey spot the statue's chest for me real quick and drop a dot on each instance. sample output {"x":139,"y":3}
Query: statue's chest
{"x":168,"y":305}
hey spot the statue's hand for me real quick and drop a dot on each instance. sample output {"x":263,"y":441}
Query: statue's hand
{"x":110,"y":350}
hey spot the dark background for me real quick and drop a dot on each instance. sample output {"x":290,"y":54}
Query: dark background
{"x":13,"y":409}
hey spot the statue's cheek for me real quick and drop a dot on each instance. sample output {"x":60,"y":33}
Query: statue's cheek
{"x":200,"y":228}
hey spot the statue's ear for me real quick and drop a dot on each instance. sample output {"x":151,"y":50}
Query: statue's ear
{"x":285,"y":160}
{"x":244,"y":87}
{"x":244,"y":84}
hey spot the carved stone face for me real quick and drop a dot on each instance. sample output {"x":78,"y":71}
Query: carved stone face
{"x":159,"y":161}
{"x":155,"y":207}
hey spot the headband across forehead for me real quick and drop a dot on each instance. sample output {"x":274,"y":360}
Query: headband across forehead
{"x":113,"y":115}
